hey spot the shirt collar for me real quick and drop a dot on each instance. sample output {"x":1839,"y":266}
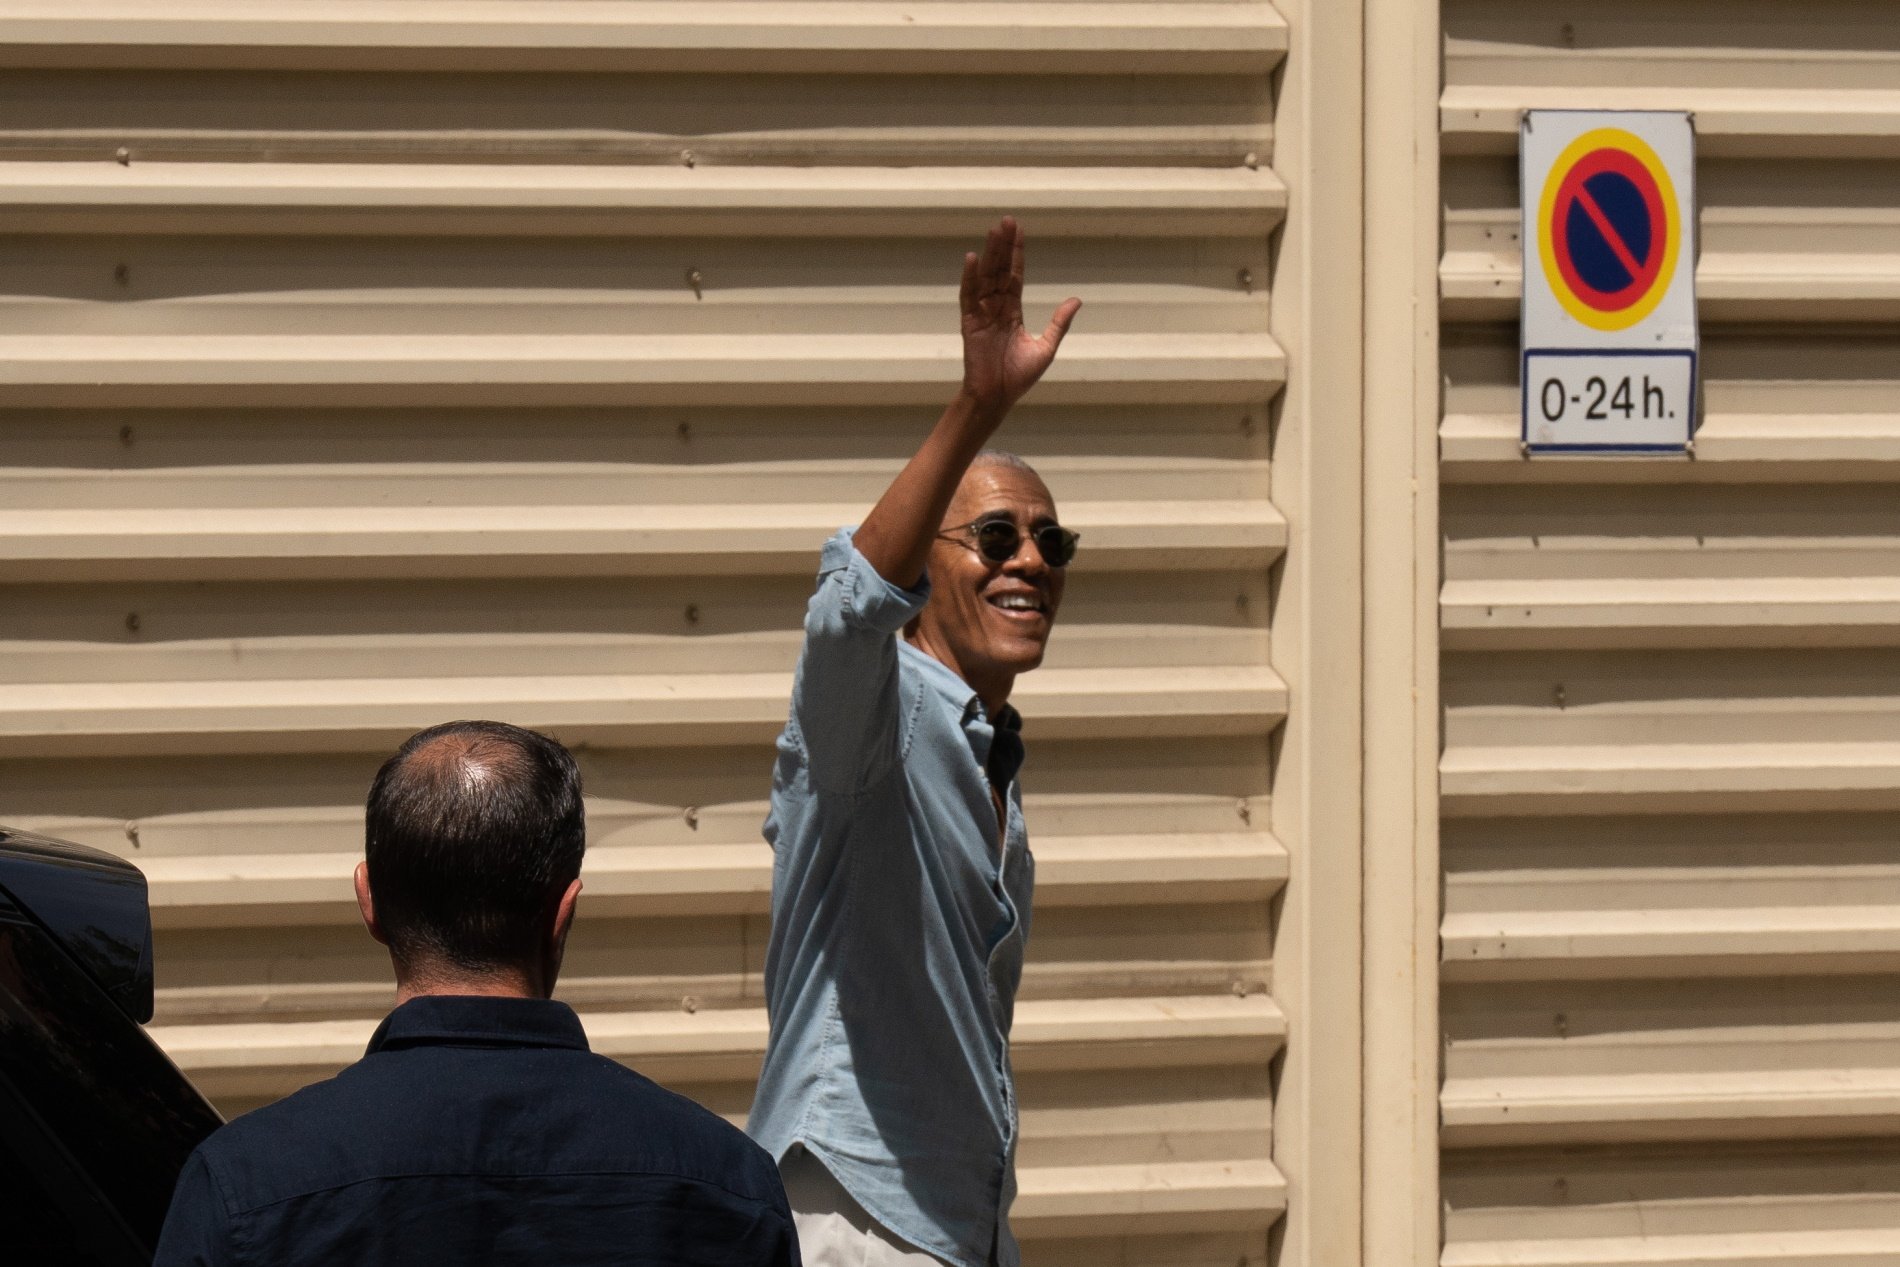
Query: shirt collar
{"x":996,"y":742}
{"x":468,"y":1020}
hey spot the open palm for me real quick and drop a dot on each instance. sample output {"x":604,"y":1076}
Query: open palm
{"x":1001,"y":360}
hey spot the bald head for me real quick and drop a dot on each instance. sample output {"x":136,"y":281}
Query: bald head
{"x":473,"y":830}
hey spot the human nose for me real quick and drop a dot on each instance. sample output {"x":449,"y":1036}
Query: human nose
{"x":1028,"y":560}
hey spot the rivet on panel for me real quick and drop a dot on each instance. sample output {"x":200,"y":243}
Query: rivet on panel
{"x":694,"y":280}
{"x":692,"y":817}
{"x":1240,"y":989}
{"x":1252,"y":160}
{"x":1245,"y":278}
{"x":686,"y":157}
{"x":689,"y":1004}
{"x":123,"y":155}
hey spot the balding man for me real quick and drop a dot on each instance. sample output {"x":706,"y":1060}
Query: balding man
{"x":902,"y":877}
{"x":478,"y":1128}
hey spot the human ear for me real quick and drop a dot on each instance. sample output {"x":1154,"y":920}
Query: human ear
{"x":366,"y":904}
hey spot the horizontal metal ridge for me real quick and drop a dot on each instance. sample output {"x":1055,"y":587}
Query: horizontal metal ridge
{"x":1661,"y":941}
{"x":1188,"y":1196}
{"x":1485,"y":283}
{"x":516,"y":198}
{"x":367,"y":714}
{"x":670,"y":35}
{"x":1730,"y":611}
{"x":222,"y":890}
{"x":544,"y":369}
{"x":1745,"y":119}
{"x":1844,"y":1246}
{"x":1627,"y":777}
{"x":1768,"y":448}
{"x":555,"y":536}
{"x":274,"y":1058}
{"x":1782,"y":1102}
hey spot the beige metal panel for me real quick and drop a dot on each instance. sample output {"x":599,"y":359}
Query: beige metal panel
{"x":1708,"y":1209}
{"x":372,"y":366}
{"x":1819,"y":242}
{"x":1762,"y":78}
{"x":1236,"y":37}
{"x":1782,"y":406}
{"x":1671,"y":914}
{"x":862,"y":121}
{"x":386,"y":198}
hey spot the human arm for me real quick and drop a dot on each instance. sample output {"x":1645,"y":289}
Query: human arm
{"x":1001,"y":361}
{"x":197,"y":1229}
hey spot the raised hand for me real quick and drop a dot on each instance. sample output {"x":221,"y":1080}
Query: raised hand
{"x":1001,"y":360}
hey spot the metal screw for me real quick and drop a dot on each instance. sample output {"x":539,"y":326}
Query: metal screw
{"x":1252,"y":160}
{"x":1240,"y":989}
{"x":132,"y":834}
{"x":1245,"y":811}
{"x":692,"y":817}
{"x":1561,"y":697}
{"x":124,"y":156}
{"x":693,"y":279}
{"x":689,"y":1004}
{"x":692,"y":613}
{"x":132,"y":622}
{"x":686,"y":157}
{"x":1245,"y":277}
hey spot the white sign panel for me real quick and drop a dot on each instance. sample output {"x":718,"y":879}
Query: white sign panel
{"x":1609,"y":332}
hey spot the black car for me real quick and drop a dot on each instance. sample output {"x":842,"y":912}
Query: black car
{"x":95,"y":1121}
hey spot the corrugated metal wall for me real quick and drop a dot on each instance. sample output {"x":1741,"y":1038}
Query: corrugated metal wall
{"x":1672,"y":688}
{"x":371,"y":364}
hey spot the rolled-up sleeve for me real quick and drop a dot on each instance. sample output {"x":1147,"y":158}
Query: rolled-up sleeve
{"x":846,"y":711}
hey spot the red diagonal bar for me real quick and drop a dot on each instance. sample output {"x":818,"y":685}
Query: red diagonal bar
{"x":1610,"y":235}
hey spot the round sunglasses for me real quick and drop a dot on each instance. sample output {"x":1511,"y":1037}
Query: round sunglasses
{"x":998,"y":539}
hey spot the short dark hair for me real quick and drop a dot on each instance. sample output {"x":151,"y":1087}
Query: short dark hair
{"x":474,"y":830}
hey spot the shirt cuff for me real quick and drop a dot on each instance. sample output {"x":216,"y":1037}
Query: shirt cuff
{"x":869,"y":601}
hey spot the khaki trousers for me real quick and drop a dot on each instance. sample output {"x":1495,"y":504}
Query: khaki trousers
{"x":833,"y":1229}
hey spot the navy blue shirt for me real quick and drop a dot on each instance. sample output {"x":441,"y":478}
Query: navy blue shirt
{"x":480,"y":1130}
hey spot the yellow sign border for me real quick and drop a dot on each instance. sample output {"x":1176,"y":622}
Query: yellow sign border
{"x":1637,"y":148}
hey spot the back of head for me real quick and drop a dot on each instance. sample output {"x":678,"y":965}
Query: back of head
{"x":473,"y":832}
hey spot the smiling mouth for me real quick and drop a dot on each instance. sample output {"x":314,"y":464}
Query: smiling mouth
{"x":1020,"y":604}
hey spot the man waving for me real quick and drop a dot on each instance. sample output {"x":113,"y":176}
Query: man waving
{"x":902,"y":876}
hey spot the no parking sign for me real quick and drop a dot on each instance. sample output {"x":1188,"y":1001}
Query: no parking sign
{"x":1609,"y":325}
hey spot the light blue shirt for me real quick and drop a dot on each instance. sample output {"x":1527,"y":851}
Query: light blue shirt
{"x":897,"y":925}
